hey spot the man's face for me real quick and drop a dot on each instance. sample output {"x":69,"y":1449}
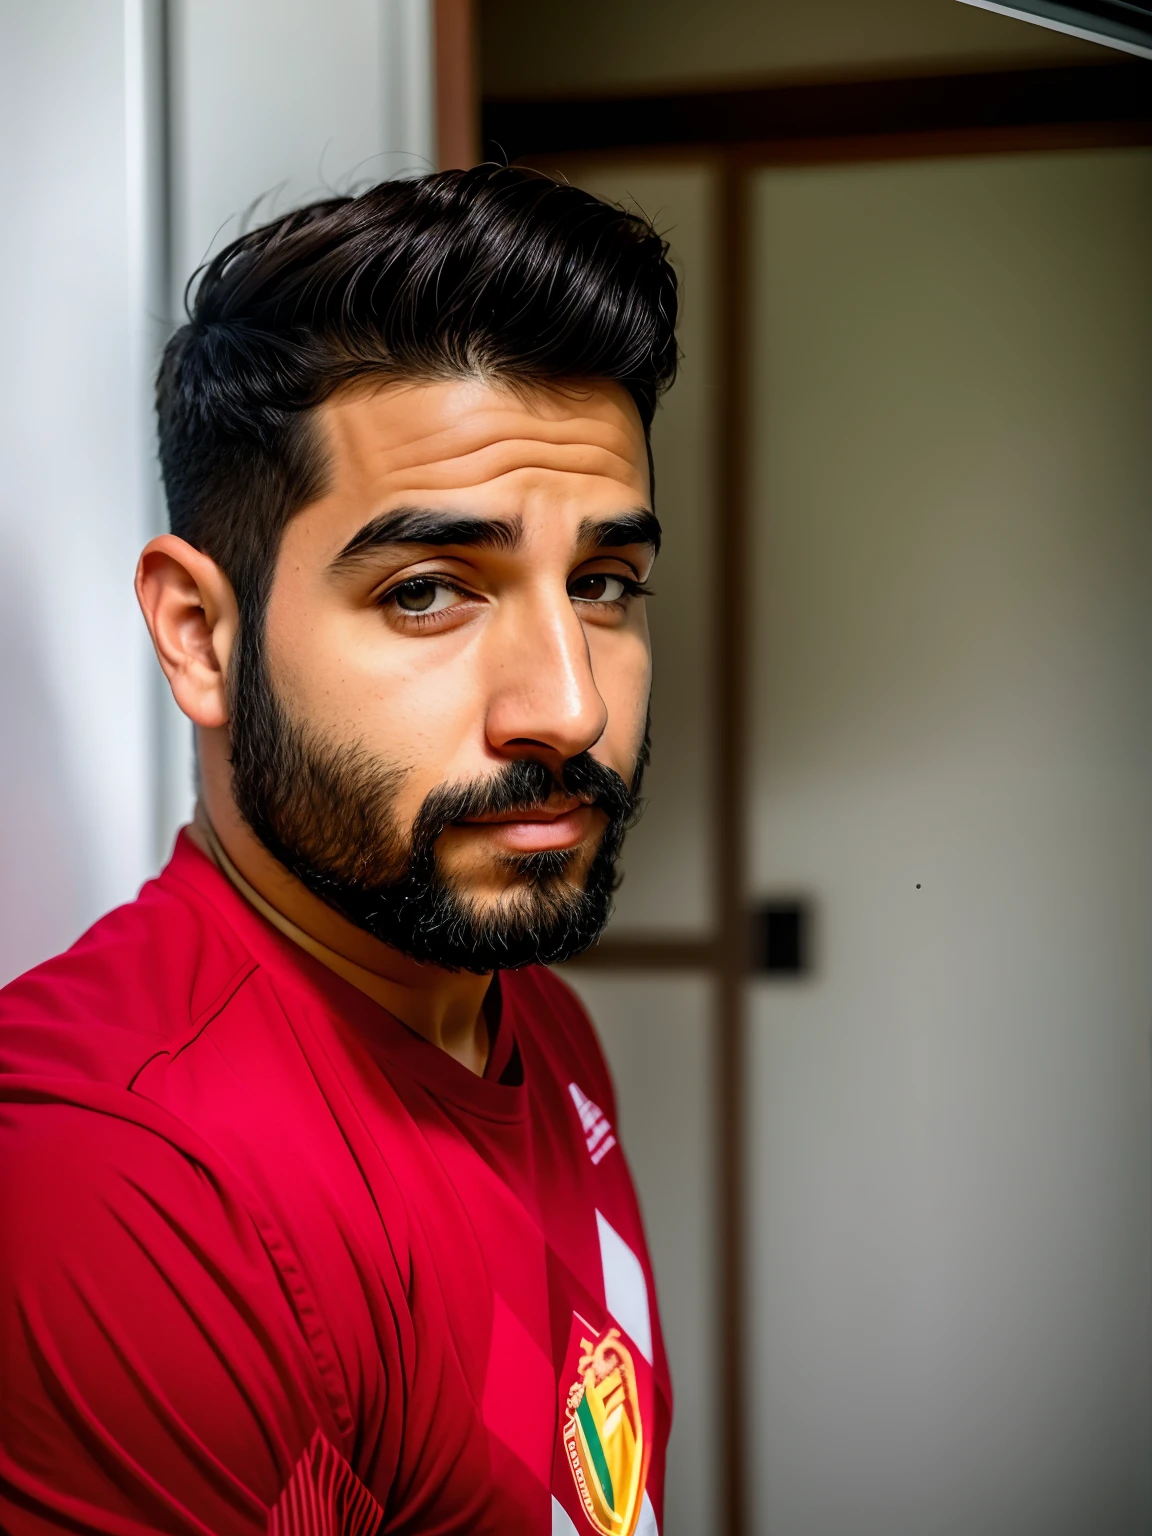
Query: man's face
{"x":444,"y":724}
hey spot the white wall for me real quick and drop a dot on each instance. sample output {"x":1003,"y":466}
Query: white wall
{"x":275,"y":102}
{"x":76,"y":494}
{"x":951,"y":1151}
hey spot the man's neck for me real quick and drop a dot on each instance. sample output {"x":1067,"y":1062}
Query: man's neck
{"x":445,"y":1007}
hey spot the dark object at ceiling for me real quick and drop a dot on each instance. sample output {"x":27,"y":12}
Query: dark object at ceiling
{"x":1115,"y":23}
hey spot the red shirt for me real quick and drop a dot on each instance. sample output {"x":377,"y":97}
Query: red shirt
{"x":269,"y":1261}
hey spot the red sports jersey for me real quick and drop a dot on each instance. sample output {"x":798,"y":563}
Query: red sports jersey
{"x":269,"y":1261}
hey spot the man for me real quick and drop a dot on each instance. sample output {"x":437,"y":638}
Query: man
{"x":314,"y":1219}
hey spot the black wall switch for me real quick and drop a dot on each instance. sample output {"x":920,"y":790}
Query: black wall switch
{"x":781,"y":938}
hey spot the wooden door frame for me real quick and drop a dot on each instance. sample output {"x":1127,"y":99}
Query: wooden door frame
{"x":456,"y":84}
{"x":737,"y":133}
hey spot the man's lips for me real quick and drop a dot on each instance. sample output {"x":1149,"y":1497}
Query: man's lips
{"x":536,"y":831}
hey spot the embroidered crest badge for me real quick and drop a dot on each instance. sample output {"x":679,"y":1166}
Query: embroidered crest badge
{"x":603,"y":1434}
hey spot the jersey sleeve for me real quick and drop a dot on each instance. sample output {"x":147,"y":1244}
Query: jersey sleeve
{"x":155,"y":1373}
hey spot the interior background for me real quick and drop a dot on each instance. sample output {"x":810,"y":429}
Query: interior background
{"x":906,"y":1270}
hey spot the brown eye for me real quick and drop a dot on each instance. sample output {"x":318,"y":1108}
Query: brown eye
{"x":416,"y":596}
{"x":422,"y":595}
{"x":598,"y":588}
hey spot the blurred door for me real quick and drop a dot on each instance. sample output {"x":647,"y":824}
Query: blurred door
{"x":951,"y":1125}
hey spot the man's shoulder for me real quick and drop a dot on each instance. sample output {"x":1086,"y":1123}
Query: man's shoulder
{"x":544,"y":998}
{"x":561,"y":1029}
{"x":124,"y":991}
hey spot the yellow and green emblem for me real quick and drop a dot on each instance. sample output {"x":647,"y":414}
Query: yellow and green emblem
{"x":604,"y":1436}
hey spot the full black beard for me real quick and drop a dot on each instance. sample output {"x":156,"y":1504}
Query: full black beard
{"x":327,"y":813}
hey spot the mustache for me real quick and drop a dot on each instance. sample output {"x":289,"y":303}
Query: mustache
{"x":525,"y":785}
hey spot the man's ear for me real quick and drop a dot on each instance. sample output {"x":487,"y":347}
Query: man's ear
{"x":192,"y":615}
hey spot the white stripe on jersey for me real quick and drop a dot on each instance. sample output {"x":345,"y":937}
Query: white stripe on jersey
{"x":625,"y":1288}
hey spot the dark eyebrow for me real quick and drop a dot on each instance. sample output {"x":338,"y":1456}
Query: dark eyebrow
{"x":419,"y":525}
{"x":636,"y":527}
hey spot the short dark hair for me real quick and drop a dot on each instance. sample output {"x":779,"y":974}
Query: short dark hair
{"x":497,"y":271}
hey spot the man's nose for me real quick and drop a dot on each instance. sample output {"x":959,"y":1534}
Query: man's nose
{"x":543,"y":698}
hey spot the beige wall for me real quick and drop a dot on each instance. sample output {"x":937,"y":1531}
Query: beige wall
{"x":529,"y":49}
{"x":952,"y":1123}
